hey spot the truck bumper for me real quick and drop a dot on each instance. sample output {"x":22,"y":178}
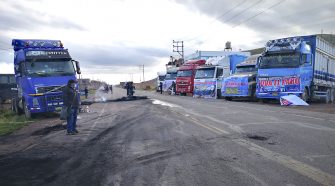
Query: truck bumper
{"x":184,"y":89}
{"x":276,"y":95}
{"x":46,"y":103}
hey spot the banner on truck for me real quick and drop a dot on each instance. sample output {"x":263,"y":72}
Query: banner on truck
{"x":167,"y":84}
{"x":279,"y":84}
{"x":204,"y":88}
{"x":235,"y":86}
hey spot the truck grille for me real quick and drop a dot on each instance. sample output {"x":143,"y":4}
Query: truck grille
{"x":51,"y":89}
{"x":54,"y":98}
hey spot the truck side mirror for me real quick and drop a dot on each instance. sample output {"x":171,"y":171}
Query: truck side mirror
{"x":258,"y":60}
{"x":18,"y":70}
{"x":77,"y":66}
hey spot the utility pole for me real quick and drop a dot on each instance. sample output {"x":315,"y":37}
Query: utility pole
{"x":142,"y":68}
{"x":178,"y":46}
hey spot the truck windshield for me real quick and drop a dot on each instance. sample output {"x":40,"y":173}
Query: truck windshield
{"x":161,"y":78}
{"x":184,"y":73}
{"x":205,"y":73}
{"x":245,"y":69}
{"x":50,"y":68}
{"x":171,"y":76}
{"x":280,"y":61}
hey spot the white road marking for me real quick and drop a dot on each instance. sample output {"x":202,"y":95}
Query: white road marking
{"x":159,"y":102}
{"x":286,"y":161}
{"x":300,"y":167}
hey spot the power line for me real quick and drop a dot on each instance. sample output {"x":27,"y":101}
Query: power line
{"x":233,"y":17}
{"x":248,"y":19}
{"x":239,"y":4}
{"x":244,"y":10}
{"x":306,"y":24}
{"x":218,"y":17}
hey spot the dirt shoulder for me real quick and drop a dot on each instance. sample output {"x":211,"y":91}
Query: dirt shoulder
{"x":24,"y":138}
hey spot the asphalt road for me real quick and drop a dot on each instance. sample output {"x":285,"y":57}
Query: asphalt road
{"x":174,"y":140}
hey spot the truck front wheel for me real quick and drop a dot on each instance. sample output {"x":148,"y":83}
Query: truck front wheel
{"x":329,"y":97}
{"x":305,"y":95}
{"x":218,"y":94}
{"x":27,"y":112}
{"x":228,"y":98}
{"x":253,"y":94}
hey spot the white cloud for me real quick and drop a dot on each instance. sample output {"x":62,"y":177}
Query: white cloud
{"x":139,"y":31}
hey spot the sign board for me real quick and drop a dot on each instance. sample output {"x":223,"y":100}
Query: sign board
{"x":235,"y":86}
{"x":43,"y":54}
{"x":204,"y":88}
{"x":279,"y":84}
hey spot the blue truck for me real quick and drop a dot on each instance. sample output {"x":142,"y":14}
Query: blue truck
{"x":303,"y":66}
{"x":208,"y":78}
{"x":42,"y":68}
{"x":242,"y":84}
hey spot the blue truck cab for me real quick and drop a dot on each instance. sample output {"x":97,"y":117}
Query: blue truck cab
{"x":303,"y":66}
{"x":42,"y":68}
{"x":242,"y":84}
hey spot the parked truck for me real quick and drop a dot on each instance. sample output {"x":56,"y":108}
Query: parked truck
{"x":171,"y":75}
{"x":185,"y":76}
{"x":303,"y":66}
{"x":209,"y":77}
{"x":42,"y":68}
{"x":242,"y":84}
{"x":160,"y":79}
{"x":8,"y":88}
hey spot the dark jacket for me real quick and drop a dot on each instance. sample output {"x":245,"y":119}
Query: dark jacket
{"x":70,"y":97}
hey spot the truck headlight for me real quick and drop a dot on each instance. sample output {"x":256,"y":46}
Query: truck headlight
{"x":35,"y":102}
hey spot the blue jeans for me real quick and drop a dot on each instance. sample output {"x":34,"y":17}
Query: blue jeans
{"x":72,"y":120}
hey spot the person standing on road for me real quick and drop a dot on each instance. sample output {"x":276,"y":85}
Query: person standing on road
{"x":71,"y":100}
{"x":111,"y":88}
{"x":86,"y":92}
{"x":173,"y":92}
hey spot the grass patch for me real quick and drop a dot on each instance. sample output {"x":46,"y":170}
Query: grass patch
{"x":10,"y":122}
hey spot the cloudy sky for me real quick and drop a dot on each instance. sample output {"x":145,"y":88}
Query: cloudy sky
{"x":111,"y":38}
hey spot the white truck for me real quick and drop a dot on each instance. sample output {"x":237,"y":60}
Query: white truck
{"x":160,"y":79}
{"x":208,"y":78}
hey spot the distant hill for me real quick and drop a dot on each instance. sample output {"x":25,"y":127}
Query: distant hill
{"x":255,"y":51}
{"x":146,"y":85}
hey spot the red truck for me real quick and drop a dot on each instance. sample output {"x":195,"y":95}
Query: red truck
{"x":185,"y":76}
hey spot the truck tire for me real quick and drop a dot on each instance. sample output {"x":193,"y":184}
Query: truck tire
{"x":218,"y":94}
{"x":265,"y":100}
{"x":14,"y":106}
{"x":27,"y":112}
{"x":228,"y":98}
{"x":305,"y":95}
{"x":253,"y":95}
{"x":330,"y":96}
